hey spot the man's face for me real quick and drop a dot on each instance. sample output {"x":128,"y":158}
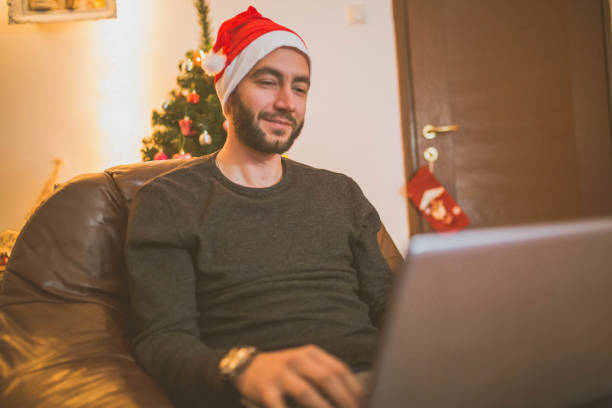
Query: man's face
{"x":267,"y":108}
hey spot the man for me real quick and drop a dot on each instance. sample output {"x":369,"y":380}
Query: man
{"x":252,"y":276}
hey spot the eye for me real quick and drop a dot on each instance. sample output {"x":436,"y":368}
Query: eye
{"x":301,"y":90}
{"x":266,"y":82}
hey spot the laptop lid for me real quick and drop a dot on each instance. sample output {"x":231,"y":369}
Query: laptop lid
{"x":504,"y":317}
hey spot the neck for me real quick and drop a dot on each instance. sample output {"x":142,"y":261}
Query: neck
{"x":247,"y":167}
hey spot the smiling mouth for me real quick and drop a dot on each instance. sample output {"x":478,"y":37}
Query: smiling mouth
{"x":279,"y":122}
{"x":279,"y":127}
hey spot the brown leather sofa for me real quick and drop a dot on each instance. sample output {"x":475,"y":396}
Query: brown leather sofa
{"x":64,"y":324}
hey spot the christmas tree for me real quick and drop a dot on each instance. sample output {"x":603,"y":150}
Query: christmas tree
{"x":190,"y":122}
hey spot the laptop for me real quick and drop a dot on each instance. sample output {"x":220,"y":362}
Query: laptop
{"x":503,"y":317}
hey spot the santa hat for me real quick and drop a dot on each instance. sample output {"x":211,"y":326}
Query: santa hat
{"x":241,"y":42}
{"x":423,"y":188}
{"x":429,"y":196}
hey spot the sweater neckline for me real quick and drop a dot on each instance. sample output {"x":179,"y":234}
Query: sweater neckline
{"x":252,"y":191}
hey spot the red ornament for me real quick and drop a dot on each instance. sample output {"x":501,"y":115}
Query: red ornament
{"x":160,"y":156}
{"x":193,"y":98}
{"x":181,"y":155}
{"x":185,"y":125}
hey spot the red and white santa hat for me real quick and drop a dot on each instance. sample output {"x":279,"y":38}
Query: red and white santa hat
{"x":241,"y":42}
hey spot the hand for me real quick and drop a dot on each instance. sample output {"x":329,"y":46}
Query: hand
{"x":307,"y":374}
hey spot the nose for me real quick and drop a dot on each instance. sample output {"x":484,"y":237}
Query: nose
{"x":285,"y":99}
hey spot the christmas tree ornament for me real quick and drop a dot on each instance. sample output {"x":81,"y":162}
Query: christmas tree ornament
{"x":160,"y":156}
{"x":205,"y":138}
{"x":435,"y":203}
{"x":197,"y":58}
{"x":193,"y":97}
{"x":181,"y":155}
{"x":187,"y":65}
{"x":241,"y":42}
{"x":185,"y":125}
{"x":164,"y":104}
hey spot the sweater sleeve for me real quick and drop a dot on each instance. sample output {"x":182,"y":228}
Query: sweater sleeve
{"x":375,"y":276}
{"x":161,"y":281}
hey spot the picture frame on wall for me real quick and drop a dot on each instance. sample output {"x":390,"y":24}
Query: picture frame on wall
{"x":59,"y":11}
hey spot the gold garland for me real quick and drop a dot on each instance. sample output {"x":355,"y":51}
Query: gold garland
{"x":7,"y":241}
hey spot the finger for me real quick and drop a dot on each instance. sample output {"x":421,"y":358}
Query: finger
{"x":249,"y":404}
{"x":332,"y":363}
{"x":271,"y":398}
{"x":331,"y":383}
{"x":303,"y":392}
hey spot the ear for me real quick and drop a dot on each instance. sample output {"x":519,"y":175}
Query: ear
{"x":227,"y":108}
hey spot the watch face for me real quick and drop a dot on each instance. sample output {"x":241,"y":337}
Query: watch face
{"x":228,"y":361}
{"x":235,"y":360}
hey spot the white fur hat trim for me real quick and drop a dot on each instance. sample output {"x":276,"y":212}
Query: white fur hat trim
{"x":430,"y":195}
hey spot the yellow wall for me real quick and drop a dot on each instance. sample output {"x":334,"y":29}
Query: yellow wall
{"x":84,"y":92}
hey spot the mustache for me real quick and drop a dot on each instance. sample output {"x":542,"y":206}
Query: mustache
{"x":276,"y":116}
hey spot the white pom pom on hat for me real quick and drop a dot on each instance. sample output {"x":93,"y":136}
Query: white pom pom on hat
{"x":241,"y":42}
{"x":213,"y":63}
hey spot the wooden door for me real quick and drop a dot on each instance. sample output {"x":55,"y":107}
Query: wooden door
{"x":527,"y":84}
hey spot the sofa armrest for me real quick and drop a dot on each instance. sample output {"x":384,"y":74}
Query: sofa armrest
{"x":389,"y":250}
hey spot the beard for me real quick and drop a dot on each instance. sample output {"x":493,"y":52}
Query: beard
{"x":251,"y":135}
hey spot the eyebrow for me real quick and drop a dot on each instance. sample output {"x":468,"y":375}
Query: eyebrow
{"x":276,"y":73}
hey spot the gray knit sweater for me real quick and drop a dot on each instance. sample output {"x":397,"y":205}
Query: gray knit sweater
{"x":213,"y":265}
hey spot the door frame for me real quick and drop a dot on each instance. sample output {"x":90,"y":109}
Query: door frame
{"x":407,"y":111}
{"x":409,"y":130}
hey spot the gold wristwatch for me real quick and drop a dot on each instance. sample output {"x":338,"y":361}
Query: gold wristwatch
{"x":236,"y":361}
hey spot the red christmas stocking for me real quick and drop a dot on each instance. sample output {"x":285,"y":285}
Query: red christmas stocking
{"x":435,"y":203}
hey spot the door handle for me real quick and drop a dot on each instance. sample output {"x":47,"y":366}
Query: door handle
{"x":430,"y":131}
